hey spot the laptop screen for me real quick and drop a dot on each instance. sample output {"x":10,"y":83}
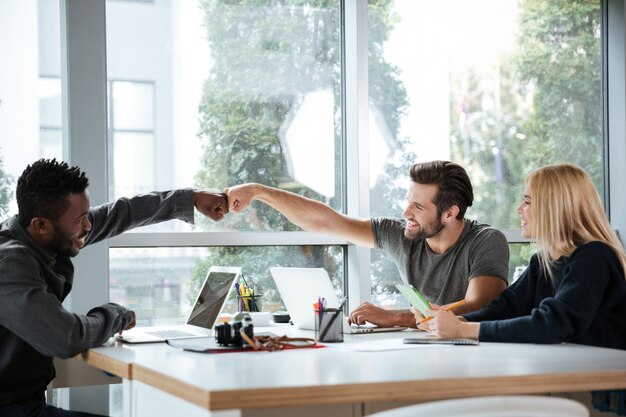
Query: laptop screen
{"x":212,"y":296}
{"x":300,"y":288}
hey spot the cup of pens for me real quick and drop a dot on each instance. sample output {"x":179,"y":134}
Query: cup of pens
{"x":247,"y":298}
{"x":249,"y":303}
{"x":328,"y":323}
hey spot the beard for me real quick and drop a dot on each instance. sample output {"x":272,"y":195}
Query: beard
{"x":424,"y":232}
{"x":63,"y":243}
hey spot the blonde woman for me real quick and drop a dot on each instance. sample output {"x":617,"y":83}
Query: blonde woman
{"x":574,"y":289}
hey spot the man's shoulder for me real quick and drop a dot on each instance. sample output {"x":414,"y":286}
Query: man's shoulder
{"x":10,"y":245}
{"x":476,"y":228}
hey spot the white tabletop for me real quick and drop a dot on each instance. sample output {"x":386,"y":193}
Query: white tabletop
{"x":333,"y":374}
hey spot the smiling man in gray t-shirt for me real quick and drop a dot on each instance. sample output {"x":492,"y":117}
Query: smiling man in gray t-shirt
{"x":444,"y":278}
{"x":445,"y":256}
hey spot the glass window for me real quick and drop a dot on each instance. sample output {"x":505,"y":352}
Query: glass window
{"x":132,"y":105}
{"x":132,"y":154}
{"x":243,"y":92}
{"x":500,"y":105}
{"x":160,"y":284}
{"x":30,"y":91}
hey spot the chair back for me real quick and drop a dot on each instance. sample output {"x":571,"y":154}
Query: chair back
{"x":497,"y":406}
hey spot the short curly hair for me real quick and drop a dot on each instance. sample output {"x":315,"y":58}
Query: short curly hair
{"x":43,"y":188}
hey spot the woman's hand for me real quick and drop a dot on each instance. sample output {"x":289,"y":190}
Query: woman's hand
{"x":446,"y":325}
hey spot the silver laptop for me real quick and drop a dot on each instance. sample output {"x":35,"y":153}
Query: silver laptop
{"x":300,"y":288}
{"x":214,"y":292}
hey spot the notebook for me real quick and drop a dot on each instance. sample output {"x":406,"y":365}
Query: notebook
{"x":437,"y":341}
{"x":300,"y":288}
{"x":214,"y":292}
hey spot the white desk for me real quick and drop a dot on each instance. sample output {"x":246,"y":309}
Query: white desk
{"x":161,"y":380}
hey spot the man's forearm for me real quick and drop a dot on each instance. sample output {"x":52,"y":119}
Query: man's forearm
{"x":311,"y":215}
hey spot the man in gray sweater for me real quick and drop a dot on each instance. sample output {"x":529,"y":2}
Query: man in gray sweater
{"x":442,"y":254}
{"x":54,"y":222}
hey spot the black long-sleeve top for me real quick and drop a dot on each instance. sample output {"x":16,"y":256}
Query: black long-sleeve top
{"x":585,"y":305}
{"x":34,"y":326}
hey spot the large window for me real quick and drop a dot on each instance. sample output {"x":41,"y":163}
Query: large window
{"x":215,"y":94}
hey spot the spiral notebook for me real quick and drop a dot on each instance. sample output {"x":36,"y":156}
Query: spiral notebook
{"x":437,"y":341}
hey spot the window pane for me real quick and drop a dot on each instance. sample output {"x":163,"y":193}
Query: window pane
{"x":51,"y":141}
{"x":133,"y":163}
{"x":500,"y":105}
{"x":160,"y":284}
{"x":243,"y":92}
{"x":30,"y":89}
{"x":50,"y":102}
{"x":132,"y":105}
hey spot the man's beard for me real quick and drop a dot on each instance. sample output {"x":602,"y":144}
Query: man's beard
{"x":425,"y":232}
{"x":62,"y":244}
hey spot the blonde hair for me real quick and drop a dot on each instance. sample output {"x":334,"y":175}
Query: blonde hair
{"x":567,"y":212}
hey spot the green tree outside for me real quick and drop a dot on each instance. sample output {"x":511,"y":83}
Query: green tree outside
{"x":6,"y":191}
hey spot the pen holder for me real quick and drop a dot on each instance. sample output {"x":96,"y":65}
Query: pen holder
{"x":249,"y":303}
{"x":329,"y":325}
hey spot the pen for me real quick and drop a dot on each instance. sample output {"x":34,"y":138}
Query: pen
{"x":447,"y":308}
{"x":253,"y":306}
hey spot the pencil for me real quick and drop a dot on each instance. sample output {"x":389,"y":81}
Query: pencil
{"x":446,"y":308}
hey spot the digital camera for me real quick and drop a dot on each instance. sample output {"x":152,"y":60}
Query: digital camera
{"x":229,"y":334}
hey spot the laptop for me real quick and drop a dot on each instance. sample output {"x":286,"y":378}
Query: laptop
{"x":300,"y":288}
{"x":215,"y":290}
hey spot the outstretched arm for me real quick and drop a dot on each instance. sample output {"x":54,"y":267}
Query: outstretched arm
{"x":311,"y":215}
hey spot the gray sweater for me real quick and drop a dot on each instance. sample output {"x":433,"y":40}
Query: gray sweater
{"x":34,"y":326}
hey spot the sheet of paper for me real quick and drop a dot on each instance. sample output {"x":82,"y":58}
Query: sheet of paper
{"x":379,"y":345}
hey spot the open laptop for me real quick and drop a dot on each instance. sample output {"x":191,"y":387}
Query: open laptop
{"x":300,"y":288}
{"x":214,"y":292}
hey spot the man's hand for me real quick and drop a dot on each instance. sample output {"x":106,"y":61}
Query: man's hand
{"x":212,"y":203}
{"x":132,"y":323}
{"x":239,"y":197}
{"x":381,"y":317}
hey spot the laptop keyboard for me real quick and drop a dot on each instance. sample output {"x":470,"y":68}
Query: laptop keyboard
{"x":170,"y":334}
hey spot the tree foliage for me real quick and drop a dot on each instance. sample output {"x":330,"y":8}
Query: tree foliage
{"x":6,"y":190}
{"x":538,"y":106}
{"x":559,"y":64}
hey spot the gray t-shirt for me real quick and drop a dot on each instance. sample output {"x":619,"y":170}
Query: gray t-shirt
{"x":443,"y":279}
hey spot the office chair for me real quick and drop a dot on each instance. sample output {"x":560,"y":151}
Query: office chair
{"x":497,"y":406}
